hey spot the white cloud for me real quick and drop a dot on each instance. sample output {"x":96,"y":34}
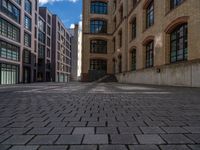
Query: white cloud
{"x":72,"y":26}
{"x":42,"y":2}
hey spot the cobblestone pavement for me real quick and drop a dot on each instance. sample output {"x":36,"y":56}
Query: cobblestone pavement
{"x":99,"y":116}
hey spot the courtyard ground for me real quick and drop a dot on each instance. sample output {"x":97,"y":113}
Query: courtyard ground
{"x":99,"y":116}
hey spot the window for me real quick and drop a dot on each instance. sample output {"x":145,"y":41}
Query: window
{"x":48,"y":30}
{"x":18,"y":1}
{"x":41,"y":25}
{"x":8,"y":30}
{"x":9,"y":51}
{"x":149,"y":54}
{"x":114,"y":44}
{"x":48,"y":42}
{"x":120,"y":63}
{"x":99,"y":8}
{"x":28,"y":6}
{"x":41,"y":50}
{"x":150,"y":15}
{"x":41,"y":37}
{"x":48,"y":53}
{"x":27,"y":23}
{"x":49,"y":19}
{"x":175,"y":3}
{"x":98,"y":64}
{"x":27,"y":40}
{"x":120,"y":39}
{"x":98,"y":46}
{"x":134,"y":3}
{"x":134,"y":31}
{"x":10,"y":10}
{"x":121,"y":11}
{"x":179,"y":44}
{"x":9,"y":74}
{"x":98,"y":26}
{"x":27,"y":57}
{"x":133,"y":60}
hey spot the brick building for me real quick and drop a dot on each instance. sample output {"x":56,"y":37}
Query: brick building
{"x":142,"y":41}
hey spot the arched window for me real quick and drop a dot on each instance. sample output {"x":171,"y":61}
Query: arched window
{"x":175,"y":3}
{"x":149,"y":54}
{"x":179,"y":43}
{"x":98,"y":26}
{"x":98,"y":46}
{"x":99,"y":7}
{"x":133,"y":28}
{"x":133,"y":59}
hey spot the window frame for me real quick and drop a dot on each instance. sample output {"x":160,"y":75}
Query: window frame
{"x":150,"y":54}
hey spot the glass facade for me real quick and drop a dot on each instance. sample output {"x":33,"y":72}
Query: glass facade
{"x":149,"y":54}
{"x":9,"y":51}
{"x":9,"y":74}
{"x":18,"y":1}
{"x":10,"y":10}
{"x":27,"y":40}
{"x":98,"y":26}
{"x":98,"y":46}
{"x":8,"y":30}
{"x":179,"y":44}
{"x":41,"y":51}
{"x":28,"y":6}
{"x":99,"y":8}
{"x":27,"y":23}
{"x":41,"y":37}
{"x":150,"y":15}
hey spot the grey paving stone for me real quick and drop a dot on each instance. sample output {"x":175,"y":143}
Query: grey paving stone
{"x":129,"y":130}
{"x":4,"y":137}
{"x":96,"y":124}
{"x":70,"y":139}
{"x":18,"y":130}
{"x":83,"y":130}
{"x":3,"y":130}
{"x":18,"y":139}
{"x":123,"y":139}
{"x":77,"y":124}
{"x":117,"y":124}
{"x":174,"y":130}
{"x":193,"y":129}
{"x":151,"y":130}
{"x":24,"y":148}
{"x":63,"y":130}
{"x":136,"y":124}
{"x":43,"y":140}
{"x":176,"y":139}
{"x":150,"y":139}
{"x":53,"y":147}
{"x":95,"y":139}
{"x":194,"y":137}
{"x":83,"y":147}
{"x":112,"y":147}
{"x":174,"y":147}
{"x":195,"y":147}
{"x":4,"y":147}
{"x":39,"y":131}
{"x":106,"y":130}
{"x":57,"y":124}
{"x":143,"y":147}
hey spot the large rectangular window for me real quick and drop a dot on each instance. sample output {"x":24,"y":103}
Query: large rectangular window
{"x":41,"y":37}
{"x":179,"y":44}
{"x":9,"y":74}
{"x":41,"y":51}
{"x":9,"y":51}
{"x":98,"y":46}
{"x":28,"y":6}
{"x":27,"y":40}
{"x":150,"y":54}
{"x":10,"y":10}
{"x":27,"y":57}
{"x":98,"y":26}
{"x":27,"y":23}
{"x":8,"y":30}
{"x":99,"y":8}
{"x":98,"y":64}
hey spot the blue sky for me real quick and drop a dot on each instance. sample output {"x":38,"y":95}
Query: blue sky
{"x":69,"y":11}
